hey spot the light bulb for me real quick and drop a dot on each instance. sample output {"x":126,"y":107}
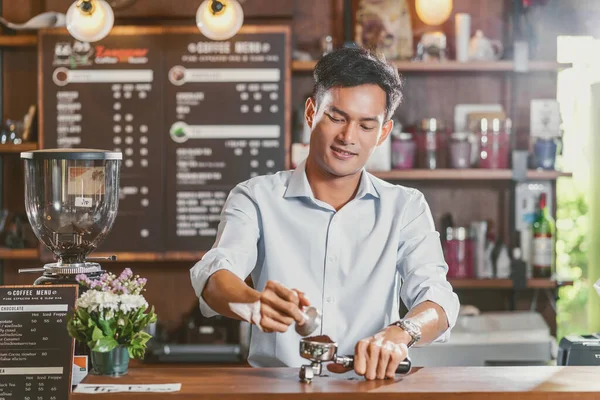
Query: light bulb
{"x":219,"y":23}
{"x":90,"y":26}
{"x":433,"y":12}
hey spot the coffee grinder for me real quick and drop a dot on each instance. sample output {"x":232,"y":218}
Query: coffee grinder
{"x":71,"y":199}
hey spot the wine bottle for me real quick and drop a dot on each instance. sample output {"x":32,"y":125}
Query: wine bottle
{"x":543,"y":241}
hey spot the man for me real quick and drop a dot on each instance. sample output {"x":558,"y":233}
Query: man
{"x":332,"y":235}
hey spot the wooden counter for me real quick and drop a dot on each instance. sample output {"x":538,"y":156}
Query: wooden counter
{"x":456,"y":383}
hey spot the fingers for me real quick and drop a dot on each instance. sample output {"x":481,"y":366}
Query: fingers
{"x":303,"y":299}
{"x":283,"y":301}
{"x":398,"y":354}
{"x":360,"y":357}
{"x":267,"y":311}
{"x":384,"y":359}
{"x":373,"y":352}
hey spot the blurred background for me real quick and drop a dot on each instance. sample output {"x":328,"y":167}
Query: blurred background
{"x":496,"y":128}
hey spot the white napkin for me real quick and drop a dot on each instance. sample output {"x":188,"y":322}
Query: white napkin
{"x":249,"y":312}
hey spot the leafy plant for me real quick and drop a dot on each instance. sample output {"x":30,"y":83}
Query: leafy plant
{"x":572,"y":258}
{"x":112,"y":313}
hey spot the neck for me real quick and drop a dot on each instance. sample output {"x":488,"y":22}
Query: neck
{"x":337,"y":191}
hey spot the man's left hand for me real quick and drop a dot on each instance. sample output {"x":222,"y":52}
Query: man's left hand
{"x":378,"y":356}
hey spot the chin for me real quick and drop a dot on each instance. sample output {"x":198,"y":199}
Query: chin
{"x":343,"y":168}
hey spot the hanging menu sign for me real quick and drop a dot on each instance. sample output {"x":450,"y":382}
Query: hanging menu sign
{"x":193,"y":118}
{"x":108,"y":95}
{"x":36,"y":352}
{"x":225,"y":105}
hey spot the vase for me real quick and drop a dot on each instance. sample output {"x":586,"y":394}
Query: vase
{"x":112,"y":363}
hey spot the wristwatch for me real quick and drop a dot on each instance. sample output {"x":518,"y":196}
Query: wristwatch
{"x":411,"y":328}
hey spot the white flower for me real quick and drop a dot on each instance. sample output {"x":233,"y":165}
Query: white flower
{"x":130,"y":302}
{"x":93,"y":300}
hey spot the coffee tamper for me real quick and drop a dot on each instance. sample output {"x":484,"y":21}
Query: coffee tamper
{"x":312,"y":324}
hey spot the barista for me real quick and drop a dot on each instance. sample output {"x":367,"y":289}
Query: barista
{"x":332,"y":235}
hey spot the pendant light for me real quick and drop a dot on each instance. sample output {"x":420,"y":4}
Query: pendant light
{"x":219,"y":19}
{"x":90,"y":20}
{"x":433,"y":12}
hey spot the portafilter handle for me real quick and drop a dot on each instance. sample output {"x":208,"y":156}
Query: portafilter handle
{"x":21,"y":270}
{"x":348,"y":362}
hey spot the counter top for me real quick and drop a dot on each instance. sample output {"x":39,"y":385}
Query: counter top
{"x":456,"y":383}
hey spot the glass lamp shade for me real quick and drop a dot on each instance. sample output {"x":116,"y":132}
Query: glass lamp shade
{"x":433,"y":12}
{"x":90,"y":26}
{"x":219,"y":25}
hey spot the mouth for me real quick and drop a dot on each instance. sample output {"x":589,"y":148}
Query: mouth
{"x":342,"y":154}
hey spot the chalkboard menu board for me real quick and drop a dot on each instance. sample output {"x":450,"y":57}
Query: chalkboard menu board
{"x":36,"y":352}
{"x":193,"y":118}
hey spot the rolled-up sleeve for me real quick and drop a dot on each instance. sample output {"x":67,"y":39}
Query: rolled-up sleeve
{"x":235,"y":247}
{"x":421,"y":263}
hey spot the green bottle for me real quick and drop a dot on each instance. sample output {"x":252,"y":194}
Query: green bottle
{"x":543,"y":241}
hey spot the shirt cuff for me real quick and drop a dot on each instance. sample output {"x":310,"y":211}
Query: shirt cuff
{"x":199,"y":275}
{"x":449,"y":302}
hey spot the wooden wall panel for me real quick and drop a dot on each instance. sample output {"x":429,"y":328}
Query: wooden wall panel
{"x":158,"y":9}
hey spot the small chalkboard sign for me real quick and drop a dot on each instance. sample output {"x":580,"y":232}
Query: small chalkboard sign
{"x":36,"y":351}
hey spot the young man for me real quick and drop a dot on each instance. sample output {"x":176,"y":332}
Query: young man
{"x":332,"y":235}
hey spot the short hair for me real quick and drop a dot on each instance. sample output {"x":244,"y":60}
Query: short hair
{"x":349,"y":67}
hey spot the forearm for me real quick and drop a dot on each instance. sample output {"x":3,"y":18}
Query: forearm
{"x":224,"y":287}
{"x":431,"y":318}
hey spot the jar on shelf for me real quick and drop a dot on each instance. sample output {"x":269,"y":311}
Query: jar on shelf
{"x":460,"y":150}
{"x":458,"y":252}
{"x":403,"y":150}
{"x":494,"y":142}
{"x":431,"y":139}
{"x":544,"y":152}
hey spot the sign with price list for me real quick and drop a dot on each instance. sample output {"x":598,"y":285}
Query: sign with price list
{"x":36,"y":352}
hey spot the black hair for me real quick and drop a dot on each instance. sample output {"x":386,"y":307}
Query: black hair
{"x":349,"y":67}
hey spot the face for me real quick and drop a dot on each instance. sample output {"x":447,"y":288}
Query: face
{"x":346,"y":127}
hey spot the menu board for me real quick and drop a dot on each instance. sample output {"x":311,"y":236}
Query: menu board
{"x":36,"y":352}
{"x":225,"y":116}
{"x":109,"y":96}
{"x":193,"y":118}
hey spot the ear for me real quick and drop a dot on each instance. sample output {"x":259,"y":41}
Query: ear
{"x":310,"y":109}
{"x":386,"y":129}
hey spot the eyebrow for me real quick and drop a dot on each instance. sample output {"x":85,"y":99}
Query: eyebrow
{"x":345,"y":114}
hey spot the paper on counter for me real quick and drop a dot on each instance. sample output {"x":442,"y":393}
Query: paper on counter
{"x":110,"y":388}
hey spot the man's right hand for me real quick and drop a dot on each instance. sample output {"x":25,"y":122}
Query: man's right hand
{"x":280,"y":307}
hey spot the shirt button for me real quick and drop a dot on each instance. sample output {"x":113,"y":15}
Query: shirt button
{"x":332,"y":258}
{"x":329,"y":299}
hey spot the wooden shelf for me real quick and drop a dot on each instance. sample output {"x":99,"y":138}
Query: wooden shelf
{"x":505,"y":283}
{"x":151,"y":257}
{"x":17,"y":148}
{"x":452,"y":66}
{"x":19,"y":254}
{"x":18,"y":41}
{"x":463,"y":174}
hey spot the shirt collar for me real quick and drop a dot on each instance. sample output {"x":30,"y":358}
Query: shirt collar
{"x":298,"y":185}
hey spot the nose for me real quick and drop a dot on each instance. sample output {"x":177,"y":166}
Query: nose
{"x":348,"y":135}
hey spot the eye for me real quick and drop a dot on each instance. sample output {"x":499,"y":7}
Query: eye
{"x":334,"y":119}
{"x":367,"y":128}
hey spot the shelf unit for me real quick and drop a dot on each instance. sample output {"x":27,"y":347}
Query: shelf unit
{"x":535,"y":283}
{"x":17,"y":148}
{"x":464,"y":174}
{"x":452,"y":66}
{"x":18,"y":40}
{"x":19,"y":254}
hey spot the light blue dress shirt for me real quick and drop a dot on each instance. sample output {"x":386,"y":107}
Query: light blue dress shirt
{"x":353,"y":264}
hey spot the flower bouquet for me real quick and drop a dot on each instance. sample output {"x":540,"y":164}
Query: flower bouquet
{"x":110,"y":317}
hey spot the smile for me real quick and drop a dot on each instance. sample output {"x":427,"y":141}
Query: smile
{"x":343,"y":154}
